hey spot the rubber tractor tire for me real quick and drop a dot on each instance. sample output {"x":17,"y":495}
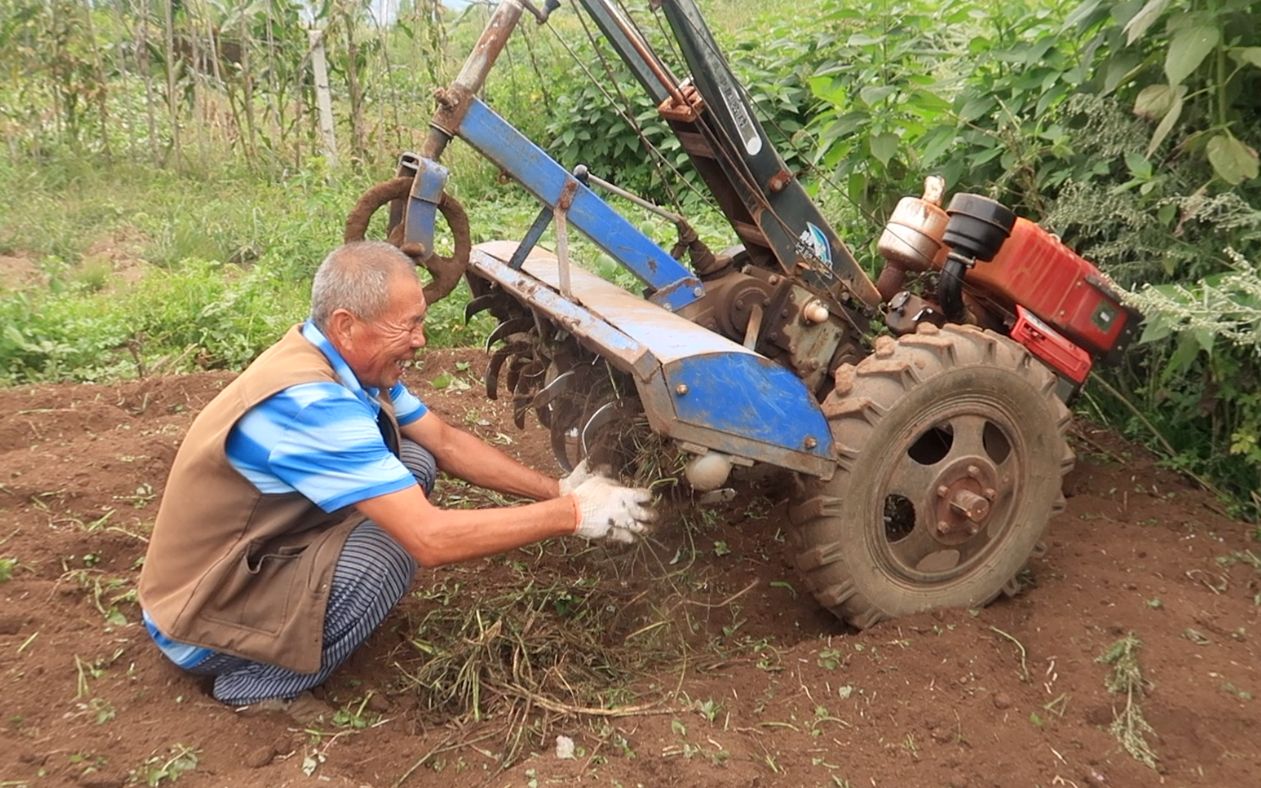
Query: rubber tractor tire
{"x":951,"y":452}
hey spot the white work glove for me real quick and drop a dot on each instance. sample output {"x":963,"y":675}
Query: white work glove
{"x":577,"y":476}
{"x":609,"y":511}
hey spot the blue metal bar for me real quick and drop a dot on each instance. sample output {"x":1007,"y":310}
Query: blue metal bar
{"x":531,"y":239}
{"x":674,"y":286}
{"x":623,"y":352}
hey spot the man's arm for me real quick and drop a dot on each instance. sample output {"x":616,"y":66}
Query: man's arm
{"x":472,"y":459}
{"x":436,"y":536}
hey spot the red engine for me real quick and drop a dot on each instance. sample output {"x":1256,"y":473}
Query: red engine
{"x":1034,"y":269}
{"x":1043,"y":294}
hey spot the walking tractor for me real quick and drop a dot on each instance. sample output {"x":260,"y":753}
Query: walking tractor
{"x":929,"y":458}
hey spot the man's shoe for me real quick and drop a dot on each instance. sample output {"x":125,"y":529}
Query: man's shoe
{"x":305,"y":709}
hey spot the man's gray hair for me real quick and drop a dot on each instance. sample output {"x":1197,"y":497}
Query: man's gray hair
{"x":356,"y":277}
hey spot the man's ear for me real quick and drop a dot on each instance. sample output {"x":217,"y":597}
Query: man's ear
{"x":341,"y":325}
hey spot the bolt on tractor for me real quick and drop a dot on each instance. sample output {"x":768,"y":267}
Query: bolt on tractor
{"x":929,"y":454}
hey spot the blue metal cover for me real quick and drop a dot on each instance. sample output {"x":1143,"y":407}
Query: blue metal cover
{"x":696,"y":385}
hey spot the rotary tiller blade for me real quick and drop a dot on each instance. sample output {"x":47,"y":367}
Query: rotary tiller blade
{"x":606,"y":414}
{"x":496,"y":363}
{"x":527,"y":381}
{"x":517,"y":325}
{"x":479,"y":304}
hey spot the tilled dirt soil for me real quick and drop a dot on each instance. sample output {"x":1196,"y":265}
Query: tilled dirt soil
{"x":761,"y":687}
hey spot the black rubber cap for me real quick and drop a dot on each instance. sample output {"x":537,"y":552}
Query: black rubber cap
{"x":978,"y":226}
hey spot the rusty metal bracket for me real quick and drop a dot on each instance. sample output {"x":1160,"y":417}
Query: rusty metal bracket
{"x":685,"y":107}
{"x":454,"y":101}
{"x":562,"y":235}
{"x":544,"y":218}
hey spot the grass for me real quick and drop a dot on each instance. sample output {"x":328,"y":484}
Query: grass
{"x":227,"y":259}
{"x":7,"y":565}
{"x":1129,"y":727}
{"x":167,"y":767}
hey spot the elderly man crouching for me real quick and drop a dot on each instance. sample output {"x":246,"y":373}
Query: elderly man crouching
{"x":296,"y":510}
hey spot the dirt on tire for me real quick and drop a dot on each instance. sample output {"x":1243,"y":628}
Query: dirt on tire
{"x":762,"y":686}
{"x":962,"y":411}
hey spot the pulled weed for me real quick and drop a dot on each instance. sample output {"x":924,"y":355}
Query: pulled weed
{"x":1130,"y":727}
{"x":557,"y":647}
{"x":547,"y":644}
{"x":158,"y":769}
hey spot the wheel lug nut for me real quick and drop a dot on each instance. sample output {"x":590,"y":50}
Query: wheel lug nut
{"x":990,"y":493}
{"x":943,"y":491}
{"x":942,"y":526}
{"x":974,"y":471}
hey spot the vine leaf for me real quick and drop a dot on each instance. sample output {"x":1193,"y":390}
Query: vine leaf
{"x":884,"y":146}
{"x":1168,"y":121}
{"x":1154,"y":101}
{"x":1251,"y":55}
{"x":1138,"y":24}
{"x":1232,"y":160}
{"x":1187,"y":50}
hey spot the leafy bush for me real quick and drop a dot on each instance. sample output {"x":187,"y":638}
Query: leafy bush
{"x":1210,"y":378}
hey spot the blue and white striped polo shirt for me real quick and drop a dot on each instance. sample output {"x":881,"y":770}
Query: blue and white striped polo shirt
{"x":322,"y":439}
{"x":319,"y":439}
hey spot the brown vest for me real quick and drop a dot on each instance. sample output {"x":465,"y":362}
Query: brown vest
{"x":234,"y":569}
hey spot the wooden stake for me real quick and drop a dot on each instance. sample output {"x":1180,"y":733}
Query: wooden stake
{"x":323,"y":98}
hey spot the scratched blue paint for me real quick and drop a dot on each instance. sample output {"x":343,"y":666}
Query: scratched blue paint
{"x":496,"y":139}
{"x":749,"y":396}
{"x":423,"y":207}
{"x":610,"y":340}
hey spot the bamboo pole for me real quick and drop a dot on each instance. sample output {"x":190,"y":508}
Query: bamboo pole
{"x":247,"y":85}
{"x":102,"y":88}
{"x":141,"y":9}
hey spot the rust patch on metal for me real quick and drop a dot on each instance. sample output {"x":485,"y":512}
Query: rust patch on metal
{"x":780,"y":180}
{"x":567,"y":193}
{"x":453,"y":104}
{"x":370,"y":201}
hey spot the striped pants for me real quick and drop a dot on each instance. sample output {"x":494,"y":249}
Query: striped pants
{"x":371,"y":576}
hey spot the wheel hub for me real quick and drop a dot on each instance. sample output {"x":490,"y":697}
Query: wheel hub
{"x":965,"y":493}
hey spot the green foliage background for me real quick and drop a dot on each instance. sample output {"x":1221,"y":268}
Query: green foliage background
{"x":1129,"y":128}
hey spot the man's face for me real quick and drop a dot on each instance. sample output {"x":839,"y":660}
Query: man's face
{"x":376,"y":350}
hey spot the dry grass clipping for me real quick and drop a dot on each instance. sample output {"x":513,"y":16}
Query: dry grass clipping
{"x":1130,"y":727}
{"x":527,"y":658}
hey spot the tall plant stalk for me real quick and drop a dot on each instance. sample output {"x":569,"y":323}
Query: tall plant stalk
{"x":172,"y":103}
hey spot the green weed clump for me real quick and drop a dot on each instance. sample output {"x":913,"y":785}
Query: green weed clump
{"x":1130,"y":726}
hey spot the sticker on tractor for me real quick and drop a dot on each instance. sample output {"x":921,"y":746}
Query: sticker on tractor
{"x":740,"y":116}
{"x":813,"y":244}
